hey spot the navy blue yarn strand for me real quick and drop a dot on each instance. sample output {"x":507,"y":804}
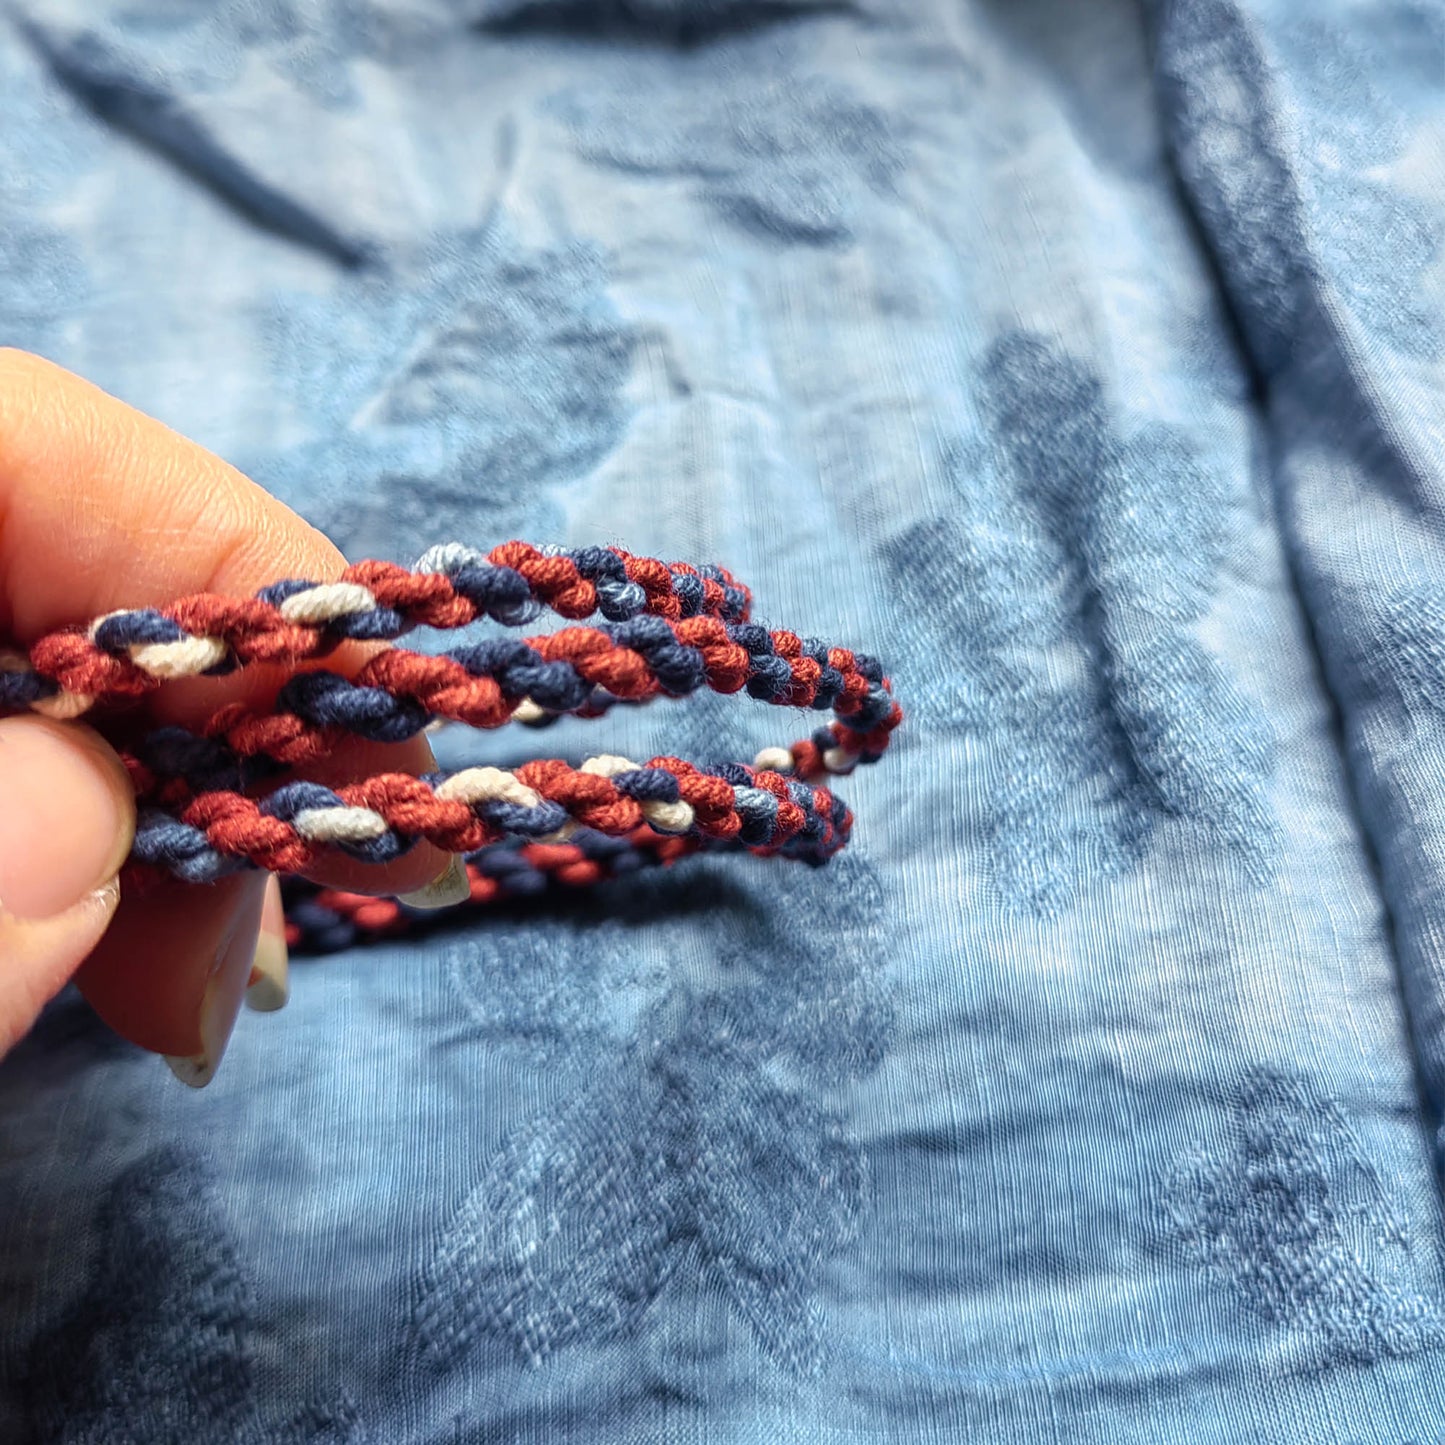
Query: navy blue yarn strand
{"x":166,"y":842}
{"x":24,"y":689}
{"x":324,"y":699}
{"x":324,"y":930}
{"x":130,"y":629}
{"x":647,"y":785}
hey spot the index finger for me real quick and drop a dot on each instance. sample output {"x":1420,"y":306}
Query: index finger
{"x":102,"y":507}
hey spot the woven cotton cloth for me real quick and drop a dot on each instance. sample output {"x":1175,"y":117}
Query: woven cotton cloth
{"x":1084,"y":360}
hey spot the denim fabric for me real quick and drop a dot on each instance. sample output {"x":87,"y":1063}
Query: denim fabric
{"x":1083,"y":362}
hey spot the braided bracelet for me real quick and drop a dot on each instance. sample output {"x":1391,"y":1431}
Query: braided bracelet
{"x":321,"y":920}
{"x":379,"y":819}
{"x":575,"y":670}
{"x":125,"y":654}
{"x":669,"y":630}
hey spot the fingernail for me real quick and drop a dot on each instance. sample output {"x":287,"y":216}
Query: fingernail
{"x":449,"y":887}
{"x":40,"y":954}
{"x":68,"y":816}
{"x":268,"y":987}
{"x":225,"y":987}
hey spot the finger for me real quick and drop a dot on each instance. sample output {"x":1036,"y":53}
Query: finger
{"x":66,"y":822}
{"x":147,"y":516}
{"x":171,"y":975}
{"x":38,"y":957}
{"x":268,"y":987}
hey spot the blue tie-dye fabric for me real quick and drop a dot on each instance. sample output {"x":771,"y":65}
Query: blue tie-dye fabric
{"x":1086,"y":364}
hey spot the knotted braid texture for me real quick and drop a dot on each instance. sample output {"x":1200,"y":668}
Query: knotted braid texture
{"x":126,"y":654}
{"x":578,"y":670}
{"x":322,"y":920}
{"x":225,"y":797}
{"x":286,"y":831}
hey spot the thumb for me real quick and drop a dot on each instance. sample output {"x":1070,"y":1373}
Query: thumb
{"x":67,"y":816}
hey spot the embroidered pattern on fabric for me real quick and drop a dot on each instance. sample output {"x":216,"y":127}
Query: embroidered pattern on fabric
{"x":661,"y":22}
{"x":159,"y":1340}
{"x":1290,"y":1211}
{"x":479,"y":376}
{"x":769,"y":147}
{"x":43,"y":277}
{"x":704,"y":1157}
{"x":1274,"y":209}
{"x":312,"y":45}
{"x":1073,"y":574}
{"x":540,"y":990}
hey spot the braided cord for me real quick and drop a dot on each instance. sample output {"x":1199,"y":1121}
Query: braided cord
{"x":224,"y":798}
{"x":547,"y":801}
{"x":398,"y":693}
{"x":127,"y":654}
{"x":322,"y":920}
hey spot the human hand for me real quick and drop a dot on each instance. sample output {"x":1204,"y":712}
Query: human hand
{"x":102,"y":508}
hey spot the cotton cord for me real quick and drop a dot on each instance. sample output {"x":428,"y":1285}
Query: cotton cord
{"x":576,"y":670}
{"x":286,"y":831}
{"x":224,"y":797}
{"x":127,"y":654}
{"x":321,"y":920}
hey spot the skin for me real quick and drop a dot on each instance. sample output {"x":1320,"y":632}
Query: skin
{"x":101,"y":508}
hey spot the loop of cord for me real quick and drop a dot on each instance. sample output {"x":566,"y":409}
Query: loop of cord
{"x":225,"y":797}
{"x":129,"y":653}
{"x":399,"y":693}
{"x":377,"y":820}
{"x":322,"y":920}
